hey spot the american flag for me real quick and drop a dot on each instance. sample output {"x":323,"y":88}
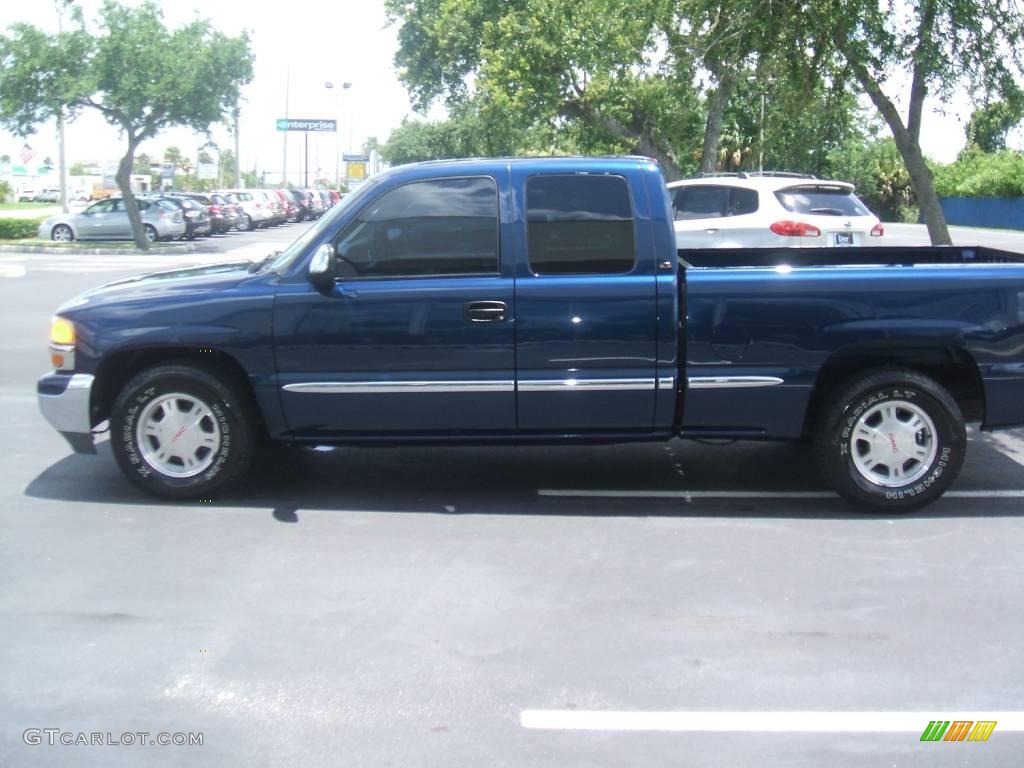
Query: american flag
{"x":27,"y":153}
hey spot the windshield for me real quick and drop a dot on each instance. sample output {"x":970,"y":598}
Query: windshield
{"x":293,"y":251}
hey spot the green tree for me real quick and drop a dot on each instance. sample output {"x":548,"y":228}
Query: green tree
{"x":990,"y":123}
{"x":941,"y":44}
{"x":174,"y":156}
{"x":77,"y":170}
{"x":550,"y":70}
{"x":227,"y":168}
{"x":142,"y":164}
{"x":140,"y":75}
{"x":877,"y":170}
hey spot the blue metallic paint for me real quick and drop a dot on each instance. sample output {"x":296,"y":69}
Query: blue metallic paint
{"x":757,"y":321}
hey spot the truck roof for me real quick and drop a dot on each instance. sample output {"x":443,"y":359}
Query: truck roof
{"x":605,"y":164}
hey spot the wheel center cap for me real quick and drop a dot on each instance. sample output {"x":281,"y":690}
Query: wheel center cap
{"x":892,"y":443}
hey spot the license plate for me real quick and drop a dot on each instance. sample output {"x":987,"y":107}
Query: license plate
{"x":843,"y":238}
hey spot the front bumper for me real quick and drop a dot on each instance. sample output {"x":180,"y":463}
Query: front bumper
{"x":64,"y":399}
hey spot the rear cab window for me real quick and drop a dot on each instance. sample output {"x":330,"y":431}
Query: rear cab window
{"x":821,"y":200}
{"x":580,"y":224}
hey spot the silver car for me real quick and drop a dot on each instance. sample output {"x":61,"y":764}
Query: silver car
{"x":108,"y":220}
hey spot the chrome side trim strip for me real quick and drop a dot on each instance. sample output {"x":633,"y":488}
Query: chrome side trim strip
{"x":667,"y":382}
{"x":733,"y":382}
{"x":384,"y":387}
{"x":590,"y":385}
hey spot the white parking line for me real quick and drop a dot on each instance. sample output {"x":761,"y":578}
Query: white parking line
{"x":759,"y":722}
{"x":688,"y":495}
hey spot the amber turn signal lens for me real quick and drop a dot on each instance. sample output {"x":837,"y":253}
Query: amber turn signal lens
{"x":62,"y":331}
{"x":57,"y":360}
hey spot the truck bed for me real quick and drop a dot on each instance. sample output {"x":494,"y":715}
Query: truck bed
{"x":891,"y":256}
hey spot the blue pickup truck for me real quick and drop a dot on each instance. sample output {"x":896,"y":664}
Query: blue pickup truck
{"x":543,"y":300}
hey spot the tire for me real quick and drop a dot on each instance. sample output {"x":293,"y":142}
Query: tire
{"x":151,"y":233}
{"x":246,"y":225}
{"x":220,"y":446}
{"x":905,"y":422}
{"x":62,"y":234}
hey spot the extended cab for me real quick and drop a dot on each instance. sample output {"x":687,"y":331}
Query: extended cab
{"x":531,"y":300}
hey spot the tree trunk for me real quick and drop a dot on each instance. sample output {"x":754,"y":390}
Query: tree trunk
{"x":124,"y":183}
{"x":923,"y":182}
{"x":713,"y":126}
{"x":907,"y":142}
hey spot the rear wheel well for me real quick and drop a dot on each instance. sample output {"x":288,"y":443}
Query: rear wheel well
{"x":119,"y":368}
{"x":952,"y":368}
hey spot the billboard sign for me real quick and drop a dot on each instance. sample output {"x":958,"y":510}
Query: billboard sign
{"x":288,"y":124}
{"x":355,"y":171}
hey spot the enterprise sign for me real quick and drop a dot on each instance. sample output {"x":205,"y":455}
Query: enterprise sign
{"x":285,"y":124}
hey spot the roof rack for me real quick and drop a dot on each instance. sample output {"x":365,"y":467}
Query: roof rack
{"x":719,"y":174}
{"x":780,"y":175}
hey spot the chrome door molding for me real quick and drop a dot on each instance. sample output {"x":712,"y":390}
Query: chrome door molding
{"x":586,"y":385}
{"x":404,"y":387}
{"x":733,"y":382}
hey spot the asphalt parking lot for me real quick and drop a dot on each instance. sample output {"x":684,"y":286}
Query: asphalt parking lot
{"x":472,"y":607}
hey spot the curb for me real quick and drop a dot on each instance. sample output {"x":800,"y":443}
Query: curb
{"x":29,"y":248}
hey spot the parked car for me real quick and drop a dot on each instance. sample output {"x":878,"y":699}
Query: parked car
{"x":256,"y":212}
{"x":197,"y":215}
{"x":26,"y":195}
{"x":270,"y":199}
{"x":769,"y":210}
{"x":316,"y":203}
{"x":335,"y":197}
{"x":543,"y":299}
{"x":221,"y":217}
{"x":325,"y":196}
{"x":304,"y":203}
{"x":108,"y":220}
{"x":48,"y":196}
{"x":291,"y":208}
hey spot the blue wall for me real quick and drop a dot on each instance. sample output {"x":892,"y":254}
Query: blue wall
{"x":999,"y":212}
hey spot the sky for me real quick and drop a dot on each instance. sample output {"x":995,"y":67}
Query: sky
{"x":297,"y":49}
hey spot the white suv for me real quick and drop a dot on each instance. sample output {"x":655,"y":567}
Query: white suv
{"x":766,"y":210}
{"x":255,"y":209}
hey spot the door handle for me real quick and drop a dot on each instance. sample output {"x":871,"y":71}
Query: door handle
{"x":711,"y":231}
{"x":485,"y":311}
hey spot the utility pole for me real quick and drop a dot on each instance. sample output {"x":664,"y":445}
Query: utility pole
{"x":61,"y":159}
{"x":284,"y":160}
{"x":238,"y":158}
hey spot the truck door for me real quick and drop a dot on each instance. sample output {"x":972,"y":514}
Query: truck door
{"x":416,"y":335}
{"x":586,"y":309}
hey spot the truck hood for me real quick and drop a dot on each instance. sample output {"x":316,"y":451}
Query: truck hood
{"x":197,"y":280}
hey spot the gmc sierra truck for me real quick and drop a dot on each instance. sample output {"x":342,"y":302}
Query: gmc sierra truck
{"x":543,"y":300}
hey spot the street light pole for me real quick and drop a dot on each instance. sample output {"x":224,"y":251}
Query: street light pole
{"x":61,"y":159}
{"x":329,"y":85}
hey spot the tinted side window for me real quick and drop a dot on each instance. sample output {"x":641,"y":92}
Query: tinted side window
{"x":700,"y":201}
{"x":579,"y":224}
{"x":437,"y":227}
{"x":742,"y":201}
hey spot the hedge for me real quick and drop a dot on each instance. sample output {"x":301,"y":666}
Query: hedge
{"x":19,"y":229}
{"x":980,"y":174}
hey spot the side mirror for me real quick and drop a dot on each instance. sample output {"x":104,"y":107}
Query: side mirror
{"x":321,"y":267}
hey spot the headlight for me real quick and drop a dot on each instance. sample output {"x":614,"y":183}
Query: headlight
{"x":62,"y":344}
